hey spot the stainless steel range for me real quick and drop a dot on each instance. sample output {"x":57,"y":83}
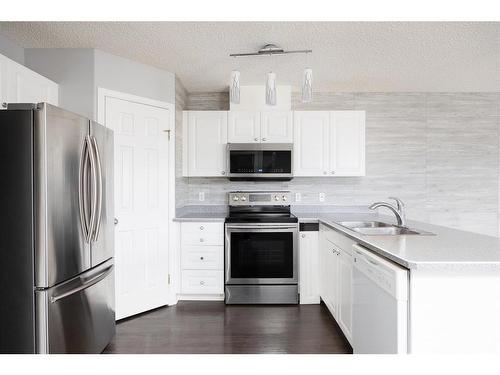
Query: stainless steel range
{"x":261,"y":249}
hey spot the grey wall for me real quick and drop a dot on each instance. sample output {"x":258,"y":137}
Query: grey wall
{"x":439,"y":152}
{"x":73,"y":69}
{"x":79,"y":72}
{"x":116,"y":73}
{"x":11,"y":50}
{"x":181,"y":184}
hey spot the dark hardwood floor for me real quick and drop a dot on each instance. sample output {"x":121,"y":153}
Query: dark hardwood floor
{"x":213,"y":327}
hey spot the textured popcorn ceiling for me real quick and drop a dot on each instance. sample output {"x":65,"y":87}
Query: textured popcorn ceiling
{"x":350,"y":56}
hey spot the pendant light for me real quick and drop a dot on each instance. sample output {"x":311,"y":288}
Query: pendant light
{"x":307,"y":91}
{"x":234,"y":88}
{"x":271,"y":89}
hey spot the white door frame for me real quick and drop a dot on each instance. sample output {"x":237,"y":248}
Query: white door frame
{"x":102,"y":94}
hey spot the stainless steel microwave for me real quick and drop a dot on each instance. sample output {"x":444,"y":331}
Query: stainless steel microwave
{"x":260,"y":161}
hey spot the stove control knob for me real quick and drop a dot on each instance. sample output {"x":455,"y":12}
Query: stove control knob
{"x":276,"y":198}
{"x":243,"y":199}
{"x":235,"y":198}
{"x":283,"y":197}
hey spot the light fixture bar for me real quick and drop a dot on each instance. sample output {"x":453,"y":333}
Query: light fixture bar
{"x":270,"y":49}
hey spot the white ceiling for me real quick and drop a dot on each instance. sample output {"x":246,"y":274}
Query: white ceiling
{"x":347,"y":56}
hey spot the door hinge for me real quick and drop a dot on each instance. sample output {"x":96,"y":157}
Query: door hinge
{"x":168,"y":279}
{"x":168,"y":133}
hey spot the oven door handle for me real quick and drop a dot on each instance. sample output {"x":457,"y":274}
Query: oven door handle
{"x":253,"y":226}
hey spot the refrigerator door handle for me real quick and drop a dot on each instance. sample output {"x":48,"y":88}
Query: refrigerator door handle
{"x":83,"y":192}
{"x":99,"y":191}
{"x":93,"y":183}
{"x":84,"y":285}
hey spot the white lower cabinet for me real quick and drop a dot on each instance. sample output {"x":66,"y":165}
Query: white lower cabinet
{"x":202,"y":260}
{"x":308,"y":267}
{"x":202,"y":282}
{"x":336,"y":268}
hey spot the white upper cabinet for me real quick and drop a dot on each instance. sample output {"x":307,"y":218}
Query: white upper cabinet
{"x":243,"y":127}
{"x":277,"y":127}
{"x":325,"y":143}
{"x":260,"y":127}
{"x":310,"y":149}
{"x":347,"y":143}
{"x":19,"y":84}
{"x":329,"y":143}
{"x":205,"y":143}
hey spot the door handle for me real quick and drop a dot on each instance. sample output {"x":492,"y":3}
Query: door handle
{"x":85,"y":284}
{"x":83,"y":192}
{"x":116,"y":221}
{"x":93,"y":184}
{"x":99,"y":190}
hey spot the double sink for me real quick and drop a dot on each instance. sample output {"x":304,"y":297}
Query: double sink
{"x":378,"y":228}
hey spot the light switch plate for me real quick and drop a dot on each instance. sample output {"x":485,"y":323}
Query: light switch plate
{"x":321,"y":197}
{"x":298,"y":197}
{"x":201,"y":196}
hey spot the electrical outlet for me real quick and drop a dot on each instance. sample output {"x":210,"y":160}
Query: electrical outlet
{"x":201,"y":196}
{"x":321,"y":197}
{"x":298,"y":197}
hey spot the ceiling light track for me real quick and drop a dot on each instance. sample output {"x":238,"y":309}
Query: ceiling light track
{"x":270,"y":49}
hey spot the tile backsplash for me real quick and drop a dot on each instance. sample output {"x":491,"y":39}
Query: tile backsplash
{"x":439,"y":152}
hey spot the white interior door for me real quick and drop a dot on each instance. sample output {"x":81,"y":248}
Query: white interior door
{"x":141,"y":204}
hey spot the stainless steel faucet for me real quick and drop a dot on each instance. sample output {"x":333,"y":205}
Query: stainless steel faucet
{"x":399,"y":210}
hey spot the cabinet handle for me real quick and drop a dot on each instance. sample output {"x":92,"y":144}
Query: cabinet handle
{"x":256,"y":139}
{"x":324,"y":172}
{"x":201,"y":258}
{"x":264,"y":139}
{"x":202,"y":282}
{"x":201,"y":240}
{"x":202,"y":227}
{"x":303,"y":236}
{"x":223,"y":172}
{"x":333,"y":172}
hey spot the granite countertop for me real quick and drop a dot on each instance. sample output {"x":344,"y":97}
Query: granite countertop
{"x":446,"y":249}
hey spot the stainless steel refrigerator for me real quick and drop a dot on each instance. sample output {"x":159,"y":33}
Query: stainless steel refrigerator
{"x":56,"y":232}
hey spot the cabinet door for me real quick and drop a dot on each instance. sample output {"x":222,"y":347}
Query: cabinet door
{"x":332,"y":279}
{"x":310,"y":135}
{"x":243,"y":127}
{"x":347,"y":143}
{"x":207,"y":139}
{"x":277,"y":127}
{"x":308,"y":267}
{"x":23,"y":85}
{"x":344,"y":311}
{"x":323,"y":268}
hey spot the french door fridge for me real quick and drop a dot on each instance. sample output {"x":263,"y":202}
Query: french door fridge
{"x":57,"y":235}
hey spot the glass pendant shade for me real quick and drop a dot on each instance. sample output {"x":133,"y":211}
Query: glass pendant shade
{"x":234,"y":88}
{"x":271,"y":89}
{"x":307,"y":91}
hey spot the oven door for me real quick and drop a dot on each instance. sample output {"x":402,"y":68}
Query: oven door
{"x":261,"y":253}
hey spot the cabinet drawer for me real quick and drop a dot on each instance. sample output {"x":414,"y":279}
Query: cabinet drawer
{"x":202,"y":257}
{"x":202,"y":282}
{"x":202,"y":234}
{"x":341,"y":241}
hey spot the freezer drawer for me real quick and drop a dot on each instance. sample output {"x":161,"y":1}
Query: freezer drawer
{"x":77,"y":316}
